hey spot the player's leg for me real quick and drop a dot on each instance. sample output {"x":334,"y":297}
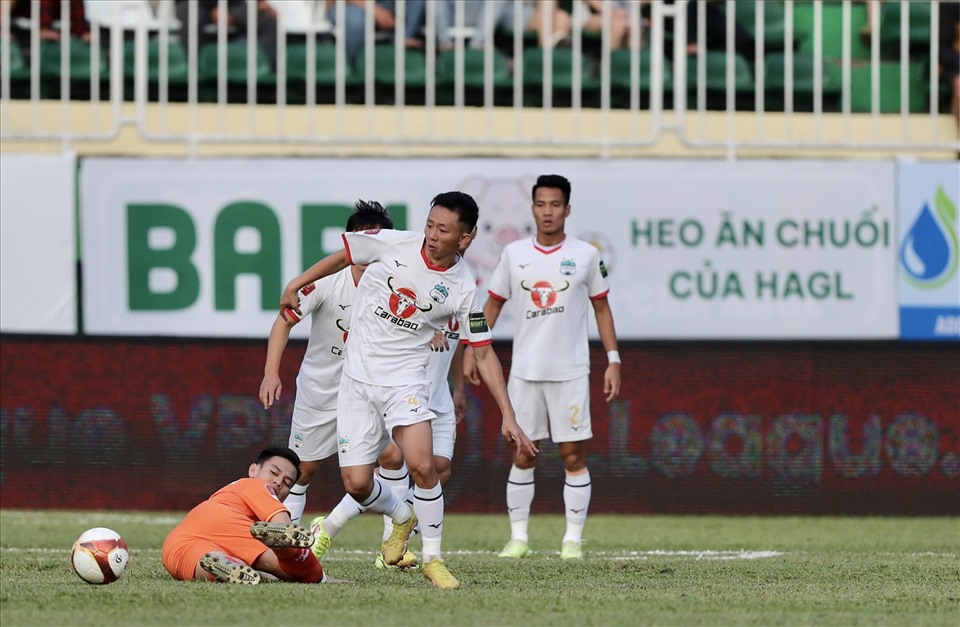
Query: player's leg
{"x":224,"y":568}
{"x":416,"y":442}
{"x":393,"y":472}
{"x":290,"y":564}
{"x":570,"y":427}
{"x":530,"y":407}
{"x":313,"y":436}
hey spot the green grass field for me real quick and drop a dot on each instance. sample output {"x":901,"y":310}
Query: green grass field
{"x":639,"y":570}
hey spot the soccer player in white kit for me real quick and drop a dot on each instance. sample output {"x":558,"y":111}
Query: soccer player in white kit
{"x":313,"y":428}
{"x":413,"y":284}
{"x":551,"y":277}
{"x":445,"y":366}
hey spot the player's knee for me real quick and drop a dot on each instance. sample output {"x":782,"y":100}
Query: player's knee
{"x":359,"y":487}
{"x":442,"y":465}
{"x":391,"y":458}
{"x":307,"y":471}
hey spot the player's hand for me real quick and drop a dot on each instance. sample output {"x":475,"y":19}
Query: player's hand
{"x":459,"y":403}
{"x":515,"y":435}
{"x":611,"y":381}
{"x":290,"y":300}
{"x":471,"y":372}
{"x":270,"y":390}
{"x":439,"y":343}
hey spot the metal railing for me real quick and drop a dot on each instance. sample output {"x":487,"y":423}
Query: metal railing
{"x":590,"y":96}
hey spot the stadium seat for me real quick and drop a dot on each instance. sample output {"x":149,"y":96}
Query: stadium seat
{"x":620,"y":75}
{"x":919,"y":27}
{"x":533,"y":78}
{"x":860,"y":94}
{"x":774,"y":33}
{"x":325,"y":73}
{"x":80,"y":68}
{"x":19,"y":70}
{"x":715,"y":63}
{"x":177,"y":66}
{"x":236,"y":57}
{"x":774,"y":79}
{"x":474,"y":64}
{"x":385,"y":73}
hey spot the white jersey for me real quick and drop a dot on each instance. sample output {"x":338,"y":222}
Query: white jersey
{"x":329,"y":302}
{"x":551,"y":289}
{"x":441,"y":400}
{"x":401,"y":301}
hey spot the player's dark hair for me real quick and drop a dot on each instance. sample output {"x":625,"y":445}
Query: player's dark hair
{"x":280,"y":451}
{"x":367,"y":215}
{"x":462,"y":204}
{"x":553,"y":181}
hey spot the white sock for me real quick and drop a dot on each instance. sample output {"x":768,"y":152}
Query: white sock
{"x":428,"y":503}
{"x":520,"y":489}
{"x":346,"y":510}
{"x":576,"y":502}
{"x":296,"y":501}
{"x":398,"y":482}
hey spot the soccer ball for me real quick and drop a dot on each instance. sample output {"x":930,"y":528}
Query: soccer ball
{"x":99,"y":555}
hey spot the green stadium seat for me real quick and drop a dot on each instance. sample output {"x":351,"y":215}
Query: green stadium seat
{"x":325,"y":74}
{"x":562,"y":74}
{"x":919,"y":28}
{"x":774,"y":20}
{"x":81,"y":69}
{"x":236,"y":53}
{"x":178,"y":73}
{"x":620,"y":73}
{"x":774,"y":79}
{"x":385,"y":73}
{"x":474,"y":64}
{"x":19,"y":70}
{"x":715,"y":63}
{"x":860,"y":96}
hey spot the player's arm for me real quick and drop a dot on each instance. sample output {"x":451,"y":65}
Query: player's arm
{"x":491,"y":311}
{"x":271,"y":386}
{"x":331,"y":264}
{"x":492,"y":374}
{"x":456,"y":374}
{"x":608,"y":335}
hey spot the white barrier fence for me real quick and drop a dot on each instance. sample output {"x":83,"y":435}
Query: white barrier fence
{"x":635,"y":81}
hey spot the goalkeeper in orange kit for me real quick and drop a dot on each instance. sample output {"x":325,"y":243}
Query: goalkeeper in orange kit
{"x":243,"y":533}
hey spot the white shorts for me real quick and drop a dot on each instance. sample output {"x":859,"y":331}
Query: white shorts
{"x":313,"y":433}
{"x":444,"y":433}
{"x":556,"y":409}
{"x":367,"y":415}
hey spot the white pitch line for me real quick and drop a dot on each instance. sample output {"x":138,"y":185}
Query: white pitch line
{"x":344,"y":555}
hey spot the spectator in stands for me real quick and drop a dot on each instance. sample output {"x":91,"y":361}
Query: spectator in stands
{"x":873,"y":12}
{"x":715,"y":16}
{"x":208,"y":16}
{"x":950,"y":54}
{"x":619,"y":19}
{"x":503,"y":16}
{"x":384,"y":21}
{"x":50,"y":13}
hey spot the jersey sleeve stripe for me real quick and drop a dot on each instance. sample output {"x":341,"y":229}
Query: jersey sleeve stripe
{"x":497,"y":296}
{"x":292,"y":314}
{"x":600,"y":295}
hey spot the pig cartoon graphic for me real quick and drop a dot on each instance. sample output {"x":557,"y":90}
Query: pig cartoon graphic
{"x":505,"y":216}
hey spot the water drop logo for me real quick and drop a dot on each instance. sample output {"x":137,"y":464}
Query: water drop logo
{"x":929,"y":252}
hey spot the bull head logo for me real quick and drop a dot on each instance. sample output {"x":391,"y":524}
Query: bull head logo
{"x":340,"y":325}
{"x":403,"y":301}
{"x":543,"y":293}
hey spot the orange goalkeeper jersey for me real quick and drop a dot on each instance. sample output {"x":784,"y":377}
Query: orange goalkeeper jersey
{"x":221,"y":523}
